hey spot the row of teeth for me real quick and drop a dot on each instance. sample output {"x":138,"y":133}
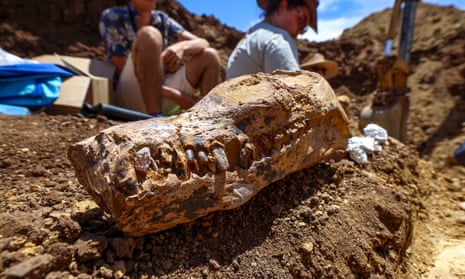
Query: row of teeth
{"x":195,"y":158}
{"x":198,"y":162}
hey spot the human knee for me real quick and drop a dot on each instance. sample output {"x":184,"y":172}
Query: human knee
{"x":149,"y":35}
{"x":210,"y":55}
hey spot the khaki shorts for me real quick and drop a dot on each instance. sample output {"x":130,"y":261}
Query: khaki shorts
{"x":128,"y":94}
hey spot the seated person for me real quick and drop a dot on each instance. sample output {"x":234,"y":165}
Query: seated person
{"x":327,"y":69}
{"x":318,"y":64}
{"x":154,"y":77}
{"x":270,"y":44}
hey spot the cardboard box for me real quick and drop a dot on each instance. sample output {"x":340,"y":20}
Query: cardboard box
{"x":93,"y":83}
{"x":73,"y":94}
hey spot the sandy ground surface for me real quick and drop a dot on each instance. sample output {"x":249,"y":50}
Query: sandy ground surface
{"x":400,"y":216}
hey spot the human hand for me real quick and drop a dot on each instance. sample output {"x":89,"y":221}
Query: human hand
{"x":172,"y":58}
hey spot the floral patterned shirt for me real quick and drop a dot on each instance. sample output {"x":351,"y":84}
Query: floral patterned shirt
{"x":118,"y":28}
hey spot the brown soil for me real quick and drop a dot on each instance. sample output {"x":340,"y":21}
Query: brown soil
{"x":399,"y":216}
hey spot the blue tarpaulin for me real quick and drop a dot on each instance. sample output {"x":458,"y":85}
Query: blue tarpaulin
{"x":31,"y":85}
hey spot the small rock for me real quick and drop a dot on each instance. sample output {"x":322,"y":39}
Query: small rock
{"x":68,"y":228}
{"x":214,"y":264}
{"x":307,"y":248}
{"x":63,"y":253}
{"x":301,"y":224}
{"x":306,"y":212}
{"x":4,"y":243}
{"x":90,"y":247}
{"x":31,"y":268}
{"x":123,"y":247}
{"x":73,"y":267}
{"x":58,"y":275}
{"x":86,"y":210}
{"x":16,"y":242}
{"x":326,"y":197}
{"x":333,"y":209}
{"x":314,"y":202}
{"x":119,"y":269}
{"x":106,"y":272}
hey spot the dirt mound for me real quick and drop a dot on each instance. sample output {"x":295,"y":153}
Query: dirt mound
{"x":386,"y":219}
{"x":71,"y":27}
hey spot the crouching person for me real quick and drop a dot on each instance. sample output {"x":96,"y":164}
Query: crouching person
{"x":155,"y":77}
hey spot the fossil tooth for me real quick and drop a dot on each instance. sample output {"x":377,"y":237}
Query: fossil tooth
{"x":221,"y":159}
{"x":191,"y":160}
{"x":202,"y":157}
{"x":247,"y":155}
{"x":190,"y":155}
{"x":126,"y":181}
{"x":180,"y":164}
{"x":154,"y":164}
{"x":202,"y":162}
{"x":143,"y":159}
{"x":165,"y":155}
{"x":243,"y":135}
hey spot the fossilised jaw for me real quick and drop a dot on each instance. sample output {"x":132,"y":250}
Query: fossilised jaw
{"x":245,"y":134}
{"x":229,"y":135}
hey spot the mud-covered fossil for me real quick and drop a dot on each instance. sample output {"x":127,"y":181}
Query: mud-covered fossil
{"x":245,"y":134}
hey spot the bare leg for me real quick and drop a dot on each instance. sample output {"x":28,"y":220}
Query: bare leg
{"x":146,"y":53}
{"x":203,"y":70}
{"x":182,"y":99}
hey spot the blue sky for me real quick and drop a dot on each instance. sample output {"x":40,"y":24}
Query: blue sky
{"x":333,"y":15}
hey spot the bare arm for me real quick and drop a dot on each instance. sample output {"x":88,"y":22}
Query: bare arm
{"x":191,"y":43}
{"x":187,"y":44}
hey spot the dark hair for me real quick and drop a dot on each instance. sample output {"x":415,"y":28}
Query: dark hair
{"x":273,"y":5}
